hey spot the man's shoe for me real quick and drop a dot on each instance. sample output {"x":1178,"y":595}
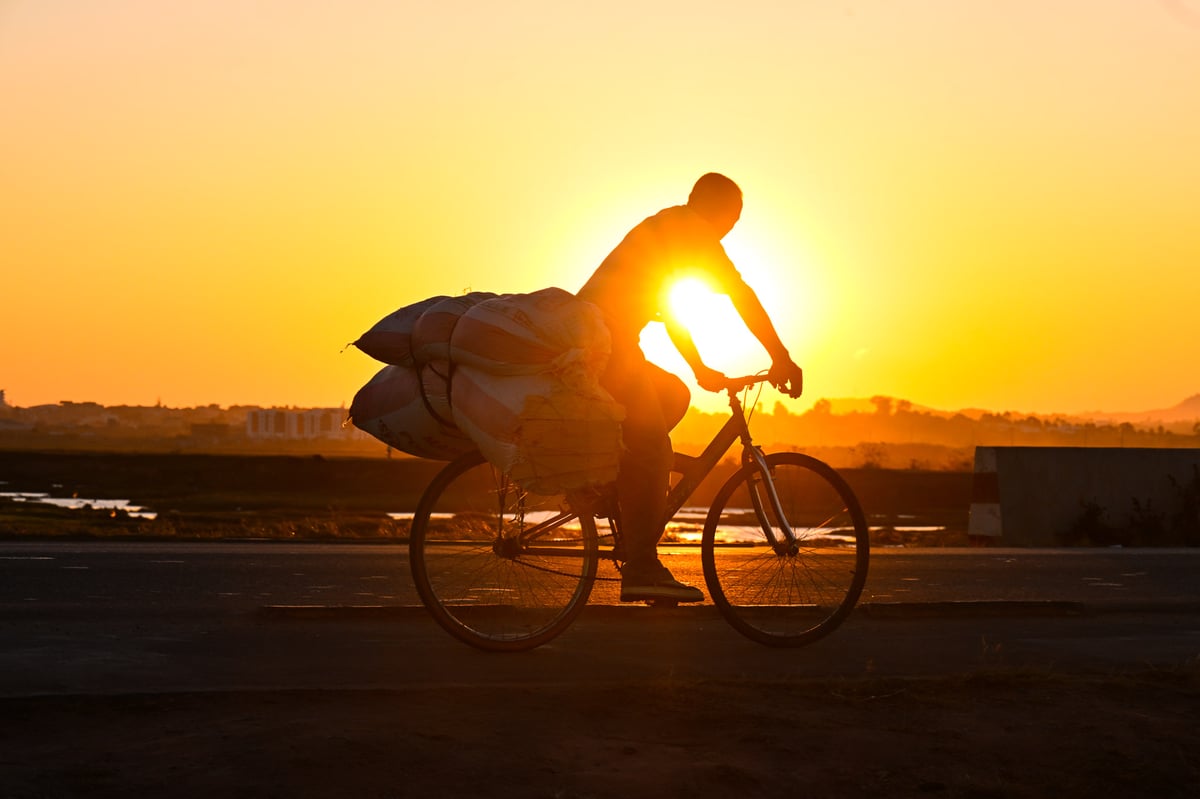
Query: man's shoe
{"x":655,"y":582}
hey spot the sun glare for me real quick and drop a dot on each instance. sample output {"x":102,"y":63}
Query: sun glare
{"x":693,"y":303}
{"x":720,"y":335}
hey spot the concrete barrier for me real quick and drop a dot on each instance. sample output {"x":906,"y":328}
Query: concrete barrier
{"x":985,"y":521}
{"x":1050,"y":496}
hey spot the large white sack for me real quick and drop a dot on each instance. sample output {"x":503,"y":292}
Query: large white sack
{"x":547,"y":331}
{"x":411,"y":412}
{"x":390,"y":339}
{"x":433,"y":329}
{"x":435,"y":387}
{"x":547,"y":435}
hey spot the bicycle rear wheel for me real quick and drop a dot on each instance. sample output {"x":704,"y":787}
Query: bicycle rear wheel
{"x":777,"y":594}
{"x":498,"y":567}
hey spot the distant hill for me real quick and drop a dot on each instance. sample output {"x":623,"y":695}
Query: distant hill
{"x":1186,"y":411}
{"x":879,"y":431}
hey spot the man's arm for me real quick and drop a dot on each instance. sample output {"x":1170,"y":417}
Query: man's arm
{"x":707,"y":378}
{"x":785,"y":374}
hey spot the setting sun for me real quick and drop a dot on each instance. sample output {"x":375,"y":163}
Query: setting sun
{"x":721,"y":337}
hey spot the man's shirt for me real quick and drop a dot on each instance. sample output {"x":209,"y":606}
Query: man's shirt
{"x":632,"y":285}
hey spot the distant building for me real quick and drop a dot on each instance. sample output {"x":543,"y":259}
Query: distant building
{"x":298,"y":423}
{"x":3,"y":403}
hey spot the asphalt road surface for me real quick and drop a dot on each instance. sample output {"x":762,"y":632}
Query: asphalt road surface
{"x":95,"y":618}
{"x":107,"y":578}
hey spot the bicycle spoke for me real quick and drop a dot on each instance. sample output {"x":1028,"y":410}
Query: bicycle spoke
{"x":776,"y":595}
{"x":503,"y":592}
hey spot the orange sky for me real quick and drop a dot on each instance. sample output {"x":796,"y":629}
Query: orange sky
{"x":956,"y":203}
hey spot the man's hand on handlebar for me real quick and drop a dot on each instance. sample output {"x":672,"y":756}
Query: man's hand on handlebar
{"x":786,"y":376}
{"x":710,"y":379}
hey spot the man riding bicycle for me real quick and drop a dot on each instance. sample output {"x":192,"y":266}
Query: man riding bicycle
{"x":631,"y":287}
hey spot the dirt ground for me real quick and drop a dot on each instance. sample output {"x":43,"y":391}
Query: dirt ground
{"x":985,"y":735}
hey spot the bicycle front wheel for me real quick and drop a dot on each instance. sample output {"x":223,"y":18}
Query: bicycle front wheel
{"x":775,"y":590}
{"x":498,"y":567}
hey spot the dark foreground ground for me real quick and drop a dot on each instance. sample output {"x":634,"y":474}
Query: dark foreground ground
{"x":628,"y":703}
{"x":969,"y":735}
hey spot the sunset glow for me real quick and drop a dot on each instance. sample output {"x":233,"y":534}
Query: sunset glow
{"x":959,"y":204}
{"x":722,"y":339}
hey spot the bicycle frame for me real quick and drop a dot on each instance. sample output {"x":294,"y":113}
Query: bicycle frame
{"x":515,"y":575}
{"x":735,"y":429}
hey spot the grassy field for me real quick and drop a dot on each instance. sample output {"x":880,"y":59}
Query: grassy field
{"x":298,"y":497}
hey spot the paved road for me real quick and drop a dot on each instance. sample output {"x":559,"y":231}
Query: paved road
{"x":118,"y":618}
{"x":122,"y":577}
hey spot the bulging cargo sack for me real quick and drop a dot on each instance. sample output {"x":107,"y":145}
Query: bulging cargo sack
{"x":432,"y":331}
{"x":390,"y":339}
{"x":544,"y":332}
{"x":408,"y":408}
{"x":547,"y":435}
{"x":516,"y":376}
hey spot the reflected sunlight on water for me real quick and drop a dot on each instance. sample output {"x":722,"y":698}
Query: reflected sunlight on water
{"x":80,"y":503}
{"x":685,"y":527}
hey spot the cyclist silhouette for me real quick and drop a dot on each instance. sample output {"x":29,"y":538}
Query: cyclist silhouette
{"x":631,"y":287}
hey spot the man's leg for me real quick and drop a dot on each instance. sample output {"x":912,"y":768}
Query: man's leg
{"x":673,"y":395}
{"x":644,"y":476}
{"x":642,"y":486}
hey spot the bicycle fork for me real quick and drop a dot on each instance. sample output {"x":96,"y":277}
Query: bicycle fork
{"x":765,"y":499}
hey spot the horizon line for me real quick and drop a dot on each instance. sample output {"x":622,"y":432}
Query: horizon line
{"x":1193,"y":399}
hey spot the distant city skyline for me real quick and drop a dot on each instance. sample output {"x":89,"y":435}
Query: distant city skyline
{"x":880,"y":432}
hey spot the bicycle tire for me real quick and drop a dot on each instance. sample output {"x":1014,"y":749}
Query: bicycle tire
{"x":474,"y":577}
{"x":786,"y":598}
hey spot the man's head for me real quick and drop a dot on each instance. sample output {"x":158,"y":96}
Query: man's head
{"x":718,"y":199}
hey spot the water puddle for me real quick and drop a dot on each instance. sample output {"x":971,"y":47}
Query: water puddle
{"x":81,"y":503}
{"x":687,"y":527}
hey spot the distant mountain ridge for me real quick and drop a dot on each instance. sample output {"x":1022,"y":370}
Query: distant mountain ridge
{"x":1186,"y":411}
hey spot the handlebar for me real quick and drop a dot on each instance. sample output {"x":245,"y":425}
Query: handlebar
{"x":735,"y":384}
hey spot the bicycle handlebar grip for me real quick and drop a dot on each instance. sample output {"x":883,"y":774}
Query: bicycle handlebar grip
{"x":738,"y":383}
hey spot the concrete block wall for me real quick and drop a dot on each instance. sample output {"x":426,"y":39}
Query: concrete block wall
{"x":1033,"y":496}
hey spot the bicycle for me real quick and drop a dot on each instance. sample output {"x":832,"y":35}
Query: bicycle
{"x":784,"y":549}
